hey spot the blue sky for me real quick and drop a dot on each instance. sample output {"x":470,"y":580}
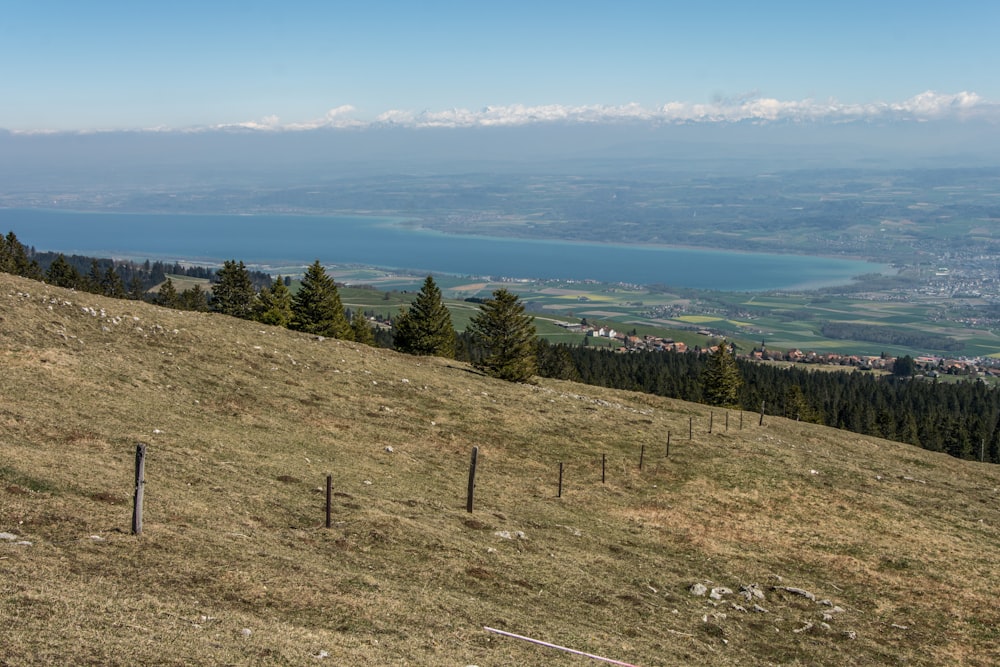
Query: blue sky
{"x":72,"y":65}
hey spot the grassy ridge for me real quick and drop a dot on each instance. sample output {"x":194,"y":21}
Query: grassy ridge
{"x":244,"y":422}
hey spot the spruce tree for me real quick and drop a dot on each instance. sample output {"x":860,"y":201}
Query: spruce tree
{"x":362,"y":329}
{"x":507,"y":338}
{"x":274,"y":304}
{"x":136,"y":289}
{"x":112,"y":284}
{"x":194,"y":298}
{"x":15,"y":259}
{"x":233,"y":294}
{"x":425,"y":328}
{"x":721,"y":379}
{"x":92,"y":282}
{"x":62,"y":274}
{"x":166,"y":295}
{"x":316,"y":307}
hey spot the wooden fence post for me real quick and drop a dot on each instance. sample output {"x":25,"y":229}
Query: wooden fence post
{"x":727,"y":421}
{"x":761,"y":423}
{"x":690,"y":427}
{"x":140,"y":482}
{"x":604,"y":465}
{"x":668,"y":445}
{"x":329,"y":497}
{"x":472,"y":479}
{"x":642,"y":455}
{"x":560,"y":479}
{"x":711,"y":421}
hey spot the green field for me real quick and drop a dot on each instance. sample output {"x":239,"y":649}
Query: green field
{"x":782,"y":320}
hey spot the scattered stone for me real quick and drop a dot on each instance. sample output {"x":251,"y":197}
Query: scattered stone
{"x":717,"y":593}
{"x":825,"y":626}
{"x":8,"y":536}
{"x":760,"y":610}
{"x":698,"y":589}
{"x":899,"y":627}
{"x":246,"y":632}
{"x":738,"y":607}
{"x":751,"y":592}
{"x":508,"y":535}
{"x":797,"y":591}
{"x":851,"y":634}
{"x":807,"y":626}
{"x":389,"y":449}
{"x":321,"y":655}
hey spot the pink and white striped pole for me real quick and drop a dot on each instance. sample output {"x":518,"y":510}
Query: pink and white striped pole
{"x":557,"y":647}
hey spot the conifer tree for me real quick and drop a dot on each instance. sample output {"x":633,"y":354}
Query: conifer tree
{"x":135,"y":288}
{"x":166,"y":295}
{"x":721,"y":379}
{"x":274,"y":304}
{"x":233,"y":294}
{"x":507,"y":337}
{"x":112,"y":284}
{"x":425,"y":328}
{"x":94,"y":280}
{"x":194,"y":298}
{"x":61,"y":273}
{"x":316,"y":307}
{"x":362,"y":329}
{"x":15,"y":259}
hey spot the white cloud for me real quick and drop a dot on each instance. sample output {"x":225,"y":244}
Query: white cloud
{"x":751,"y":107}
{"x":925,"y":106}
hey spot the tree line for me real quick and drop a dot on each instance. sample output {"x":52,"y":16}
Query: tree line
{"x":499,"y":340}
{"x":961,"y":419}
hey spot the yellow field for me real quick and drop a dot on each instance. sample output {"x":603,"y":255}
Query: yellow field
{"x":698,"y":319}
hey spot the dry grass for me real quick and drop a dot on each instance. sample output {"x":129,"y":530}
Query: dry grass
{"x":244,"y":422}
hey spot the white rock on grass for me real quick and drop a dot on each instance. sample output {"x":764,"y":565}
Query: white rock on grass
{"x":698,"y":589}
{"x":717,"y":593}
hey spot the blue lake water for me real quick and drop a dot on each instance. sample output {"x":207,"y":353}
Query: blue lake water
{"x":282,"y":240}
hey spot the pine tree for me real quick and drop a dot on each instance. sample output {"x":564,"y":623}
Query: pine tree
{"x":316,"y":307}
{"x":15,"y":259}
{"x":721,"y":379}
{"x":135,"y":288}
{"x":425,"y":328}
{"x":94,"y":279}
{"x":194,"y":298}
{"x":112,"y":284}
{"x":362,"y":329}
{"x":233,"y":294}
{"x":507,"y":336}
{"x":274,"y":304}
{"x":61,"y":273}
{"x":166,"y":295}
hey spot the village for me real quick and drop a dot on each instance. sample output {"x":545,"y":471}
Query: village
{"x":929,"y":366}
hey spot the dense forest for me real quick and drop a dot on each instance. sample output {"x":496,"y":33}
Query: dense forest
{"x":961,"y":419}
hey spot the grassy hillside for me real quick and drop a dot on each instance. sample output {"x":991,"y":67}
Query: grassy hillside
{"x":898,"y":546}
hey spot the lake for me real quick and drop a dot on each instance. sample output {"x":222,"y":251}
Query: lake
{"x":296,"y":240}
